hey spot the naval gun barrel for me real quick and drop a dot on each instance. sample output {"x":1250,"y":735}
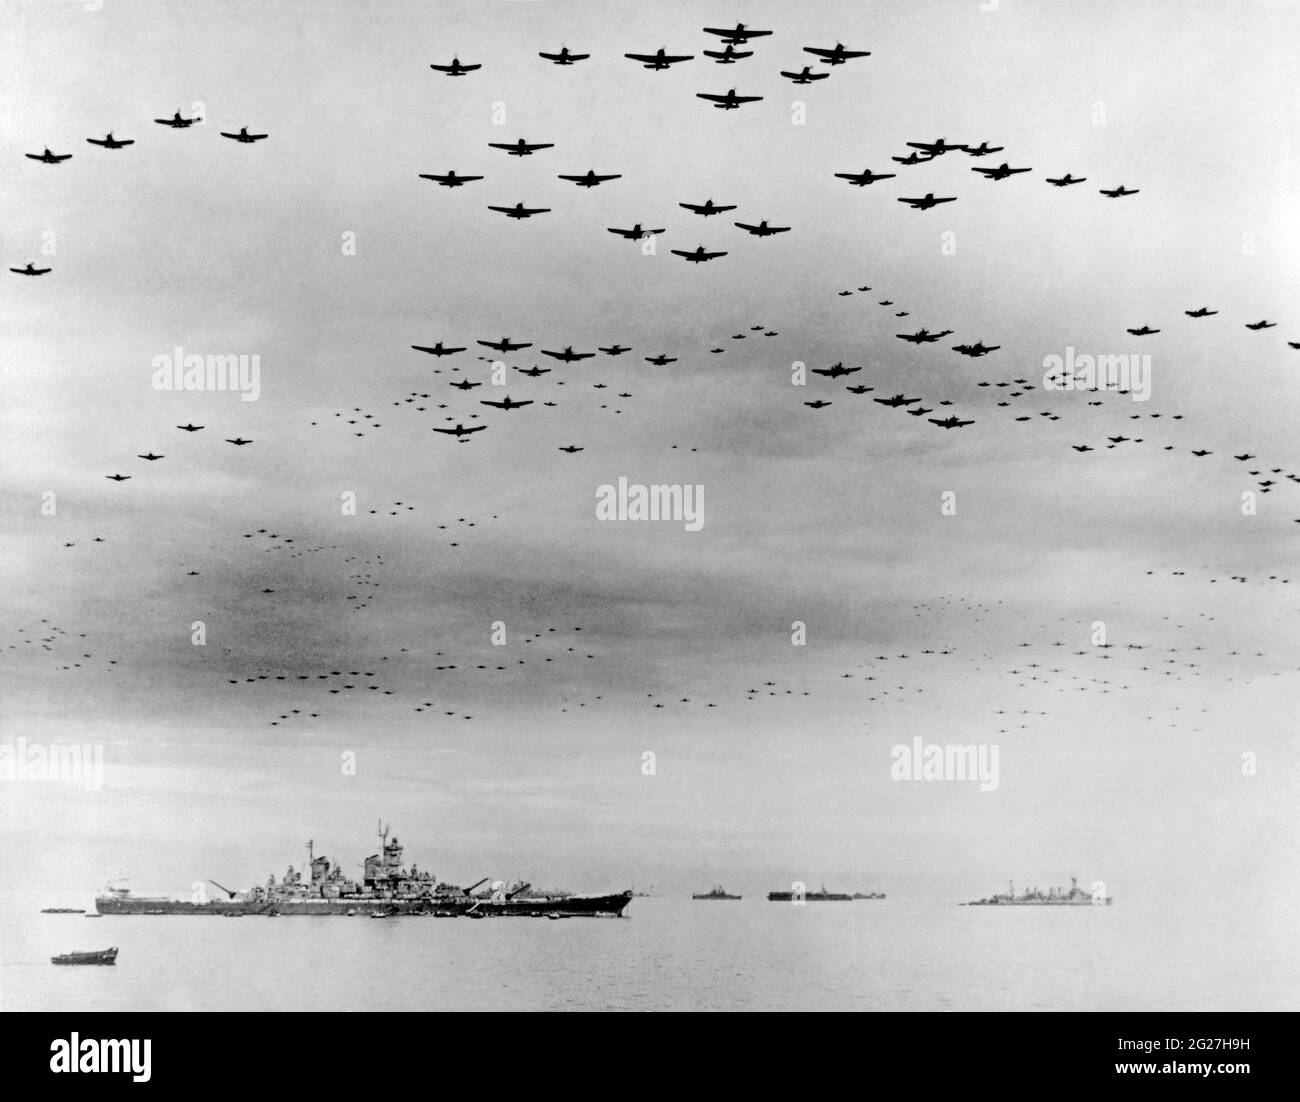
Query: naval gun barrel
{"x":476,"y":884}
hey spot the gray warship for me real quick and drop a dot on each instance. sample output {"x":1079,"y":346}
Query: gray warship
{"x":1053,"y":897}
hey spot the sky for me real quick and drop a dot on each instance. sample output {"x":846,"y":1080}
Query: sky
{"x":321,"y":251}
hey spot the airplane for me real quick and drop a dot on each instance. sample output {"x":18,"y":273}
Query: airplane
{"x":533,"y":371}
{"x":47,"y":157}
{"x":819,"y":404}
{"x":859,"y":389}
{"x":740,"y":36}
{"x":927,"y":201}
{"x":190,"y":427}
{"x":244,"y":136}
{"x":176,"y":122}
{"x":1066,"y":180}
{"x":835,"y":370}
{"x":1001,"y":172}
{"x":635,"y":233}
{"x":464,"y":384}
{"x":239,"y":442}
{"x":729,"y":56}
{"x":1244,"y":456}
{"x":948,"y":422}
{"x":151,"y":457}
{"x":570,"y":449}
{"x":806,"y":77}
{"x":450,"y":180}
{"x":568,"y":355}
{"x":1142,"y":331}
{"x":520,"y":211}
{"x":506,"y":345}
{"x":1202,"y":452}
{"x":30,"y":270}
{"x":1250,"y":325}
{"x":983,"y":148}
{"x":698,"y":256}
{"x":564,"y":57}
{"x":460,"y":430}
{"x":922,"y":336}
{"x":111,"y":142}
{"x":837,"y":56}
{"x":615,"y":350}
{"x":659,"y":60}
{"x":918,"y":412}
{"x":1117,"y":439}
{"x":728,"y":101}
{"x":762,"y":229}
{"x":520,"y":148}
{"x":936,"y":149}
{"x":976,"y":349}
{"x":1116,"y":193}
{"x":1082,"y":448}
{"x":455,"y":69}
{"x":913,"y":158}
{"x":660,"y":360}
{"x":591,"y":179}
{"x":865,"y":177}
{"x":507,"y":404}
{"x":438,"y":349}
{"x":706,"y":208}
{"x":896,"y":400}
{"x":118,"y":477}
{"x":1203,"y":312}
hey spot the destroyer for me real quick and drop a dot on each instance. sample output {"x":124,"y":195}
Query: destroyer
{"x":1053,"y":897}
{"x":717,"y":892}
{"x":386,"y":888}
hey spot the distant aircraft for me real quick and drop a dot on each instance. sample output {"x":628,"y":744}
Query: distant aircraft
{"x":464,"y":384}
{"x":455,"y":69}
{"x":190,"y":428}
{"x":151,"y":457}
{"x":1250,"y":325}
{"x":506,"y":345}
{"x":47,"y":157}
{"x":1001,"y":172}
{"x":838,"y":56}
{"x":521,"y":148}
{"x":1117,"y":439}
{"x":706,"y":208}
{"x":244,"y":136}
{"x":927,"y":201}
{"x":918,"y":412}
{"x":727,"y":101}
{"x":533,"y":371}
{"x":450,"y":180}
{"x":922,"y":336}
{"x":460,"y":430}
{"x":1082,"y":448}
{"x":570,"y":449}
{"x":438,"y":349}
{"x":239,"y":442}
{"x":949,"y":422}
{"x":805,"y":77}
{"x":859,"y":389}
{"x":699,"y":256}
{"x":111,"y":142}
{"x":1116,"y":193}
{"x":520,"y":211}
{"x":568,"y":355}
{"x":936,"y":149}
{"x":176,"y":122}
{"x":762,"y":230}
{"x":1244,"y":456}
{"x":660,"y":360}
{"x":615,"y":350}
{"x":118,"y":477}
{"x":913,"y":158}
{"x":819,"y":404}
{"x":659,"y":59}
{"x":1142,"y":331}
{"x":896,"y":400}
{"x":1201,"y":452}
{"x":564,"y":57}
{"x":983,"y":149}
{"x":1203,"y":312}
{"x":1066,"y":180}
{"x":865,"y":177}
{"x":738,"y":36}
{"x":635,"y":233}
{"x":591,"y":179}
{"x":507,"y":404}
{"x":729,"y":56}
{"x":835,"y":371}
{"x":976,"y":349}
{"x":30,"y":270}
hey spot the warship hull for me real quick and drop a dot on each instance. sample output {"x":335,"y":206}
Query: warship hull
{"x":585,"y":905}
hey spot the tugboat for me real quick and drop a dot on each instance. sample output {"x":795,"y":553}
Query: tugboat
{"x":97,"y":956}
{"x":717,"y":892}
{"x":1032,"y":897}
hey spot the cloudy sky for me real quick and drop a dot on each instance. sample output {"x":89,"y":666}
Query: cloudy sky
{"x":321,"y":251}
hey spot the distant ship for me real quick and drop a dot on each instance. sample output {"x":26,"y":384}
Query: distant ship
{"x":822,"y":896}
{"x":95,"y":956}
{"x":1032,"y":897}
{"x":386,"y":889}
{"x":717,"y":892}
{"x":62,"y":911}
{"x":868,"y":895}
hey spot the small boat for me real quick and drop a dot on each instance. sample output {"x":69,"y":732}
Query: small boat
{"x":98,"y":956}
{"x":379,"y":914}
{"x":63,"y":911}
{"x":93,"y":916}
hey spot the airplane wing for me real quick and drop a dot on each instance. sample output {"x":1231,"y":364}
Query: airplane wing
{"x":820,"y":52}
{"x":713,"y":97}
{"x":672,"y":59}
{"x":751,"y":229}
{"x":503,"y":210}
{"x":499,"y":405}
{"x":643,"y":57}
{"x":537,"y":145}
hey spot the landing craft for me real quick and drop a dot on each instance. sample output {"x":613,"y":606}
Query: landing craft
{"x":111,"y":142}
{"x":521,"y":148}
{"x":176,"y":122}
{"x":1066,"y":180}
{"x":635,"y":233}
{"x":706,"y":208}
{"x":591,"y":179}
{"x":838,"y":56}
{"x":438,"y":349}
{"x":699,"y":256}
{"x":659,"y":59}
{"x":728,"y":101}
{"x":520,"y":211}
{"x":450,"y":180}
{"x":805,"y":77}
{"x":507,"y":404}
{"x":738,"y":36}
{"x":455,"y":69}
{"x":762,"y":230}
{"x":865,"y":177}
{"x":1001,"y":172}
{"x":927,"y":201}
{"x":506,"y":345}
{"x":564,"y":57}
{"x":244,"y":136}
{"x":47,"y":157}
{"x":460,"y":430}
{"x":568,"y":355}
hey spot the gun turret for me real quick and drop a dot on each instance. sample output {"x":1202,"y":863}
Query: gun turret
{"x":476,"y":884}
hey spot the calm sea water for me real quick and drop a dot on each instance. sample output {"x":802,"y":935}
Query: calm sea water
{"x":668,"y":953}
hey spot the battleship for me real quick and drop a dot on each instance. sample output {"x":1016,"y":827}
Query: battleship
{"x":387,"y":888}
{"x":1053,"y":897}
{"x":822,"y":896}
{"x":716,"y":892}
